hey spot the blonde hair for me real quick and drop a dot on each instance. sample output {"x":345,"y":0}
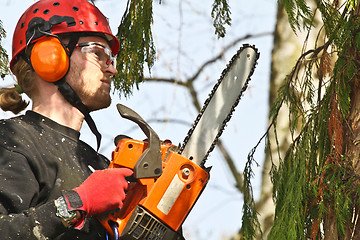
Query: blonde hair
{"x":10,"y":98}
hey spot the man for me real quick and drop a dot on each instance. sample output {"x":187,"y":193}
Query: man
{"x":63,"y":58}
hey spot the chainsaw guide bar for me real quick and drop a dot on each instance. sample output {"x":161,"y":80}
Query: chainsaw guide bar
{"x":220,"y":105}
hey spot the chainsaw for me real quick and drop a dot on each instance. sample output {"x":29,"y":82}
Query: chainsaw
{"x":168,"y":179}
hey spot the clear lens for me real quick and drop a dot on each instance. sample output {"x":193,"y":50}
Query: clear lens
{"x":103,"y":54}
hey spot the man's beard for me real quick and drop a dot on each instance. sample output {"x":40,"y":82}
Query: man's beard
{"x":94,"y":100}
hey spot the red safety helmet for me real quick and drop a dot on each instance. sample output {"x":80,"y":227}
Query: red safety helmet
{"x":60,"y":17}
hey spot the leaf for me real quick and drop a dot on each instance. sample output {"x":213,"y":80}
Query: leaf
{"x":4,"y":59}
{"x":299,"y":14}
{"x":221,"y":15}
{"x":325,"y":66}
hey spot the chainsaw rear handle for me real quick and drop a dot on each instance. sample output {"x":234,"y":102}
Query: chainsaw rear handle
{"x":149,"y":164}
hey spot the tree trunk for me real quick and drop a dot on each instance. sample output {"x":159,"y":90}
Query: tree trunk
{"x":352,"y":151}
{"x":352,"y":133}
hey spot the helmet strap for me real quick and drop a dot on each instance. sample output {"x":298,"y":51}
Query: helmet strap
{"x":26,"y":58}
{"x":70,"y":95}
{"x":72,"y":44}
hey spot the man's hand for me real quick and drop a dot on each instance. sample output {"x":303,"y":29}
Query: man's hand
{"x":102,"y":191}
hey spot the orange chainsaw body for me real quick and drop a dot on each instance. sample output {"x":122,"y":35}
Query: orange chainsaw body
{"x":169,"y":197}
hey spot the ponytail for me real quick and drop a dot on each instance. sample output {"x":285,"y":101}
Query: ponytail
{"x":10,"y":98}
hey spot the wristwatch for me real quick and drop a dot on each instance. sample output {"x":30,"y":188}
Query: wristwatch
{"x":63,"y":212}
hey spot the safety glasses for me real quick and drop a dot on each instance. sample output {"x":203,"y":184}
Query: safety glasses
{"x":103,"y":54}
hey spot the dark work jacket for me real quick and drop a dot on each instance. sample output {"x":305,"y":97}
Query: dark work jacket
{"x":38,"y":159}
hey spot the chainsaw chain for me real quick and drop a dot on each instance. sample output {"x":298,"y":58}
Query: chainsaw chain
{"x":233,"y":59}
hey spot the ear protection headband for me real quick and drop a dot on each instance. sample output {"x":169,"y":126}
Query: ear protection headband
{"x":50,"y":59}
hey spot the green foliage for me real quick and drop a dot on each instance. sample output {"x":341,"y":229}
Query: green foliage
{"x":136,"y":45}
{"x":136,"y":41}
{"x":299,"y":14}
{"x":250,"y":223}
{"x":332,"y":20}
{"x":4,"y":60}
{"x":351,"y":4}
{"x":221,"y":15}
{"x":315,"y":184}
{"x":312,"y":181}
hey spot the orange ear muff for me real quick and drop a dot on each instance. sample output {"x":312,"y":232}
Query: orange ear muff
{"x":49,"y":59}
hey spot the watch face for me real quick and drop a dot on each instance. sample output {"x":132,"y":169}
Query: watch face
{"x":62,"y":210}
